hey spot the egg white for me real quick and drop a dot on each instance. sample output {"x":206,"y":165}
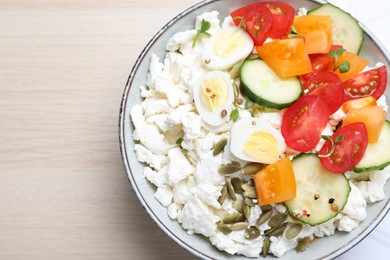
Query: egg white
{"x":214,"y":118}
{"x":213,"y":60}
{"x":244,"y":128}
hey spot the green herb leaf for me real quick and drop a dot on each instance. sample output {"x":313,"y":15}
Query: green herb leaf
{"x":326,"y":137}
{"x":339,"y":139}
{"x":205,"y":26}
{"x":344,"y":67}
{"x":234,"y":114}
{"x":294,"y":33}
{"x":248,"y":104}
{"x":179,"y":141}
{"x":335,"y":55}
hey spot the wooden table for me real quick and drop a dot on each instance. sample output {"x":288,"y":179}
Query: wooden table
{"x":63,"y":190}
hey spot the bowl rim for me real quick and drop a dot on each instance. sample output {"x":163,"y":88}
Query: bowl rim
{"x":122,"y":143}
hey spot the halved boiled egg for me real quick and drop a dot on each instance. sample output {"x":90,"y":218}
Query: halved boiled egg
{"x":227,"y":47}
{"x":214,"y":96}
{"x":254,"y":140}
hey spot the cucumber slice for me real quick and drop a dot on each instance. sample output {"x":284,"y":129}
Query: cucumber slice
{"x":377,"y":155}
{"x":261,"y":85}
{"x":346,"y":29}
{"x":316,"y":188}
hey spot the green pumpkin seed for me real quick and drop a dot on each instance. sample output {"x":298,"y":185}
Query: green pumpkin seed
{"x":303,"y":244}
{"x":247,"y":211}
{"x":223,"y":196}
{"x":230,"y":189}
{"x":230,"y":219}
{"x":276,"y":231}
{"x":237,"y":183}
{"x":235,"y":71}
{"x":277,"y":220}
{"x":237,"y":205}
{"x":266,"y":208}
{"x":239,"y":226}
{"x":266,"y":245}
{"x":252,"y":168}
{"x":218,"y":147}
{"x":229,"y":168}
{"x":249,"y":202}
{"x":293,"y":230}
{"x":246,"y":186}
{"x":223,"y":228}
{"x":251,"y":193}
{"x":264,"y":217}
{"x":252,"y":233}
{"x":240,"y":218}
{"x":253,"y":56}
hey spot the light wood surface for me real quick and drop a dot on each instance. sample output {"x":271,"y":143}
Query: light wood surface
{"x":63,"y":190}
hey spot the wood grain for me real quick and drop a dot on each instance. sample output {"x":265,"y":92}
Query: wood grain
{"x":63,"y":190}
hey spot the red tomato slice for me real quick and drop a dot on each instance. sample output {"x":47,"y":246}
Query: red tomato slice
{"x":368,"y":83}
{"x":347,"y":153}
{"x":303,"y":123}
{"x":282,"y":18}
{"x":258,"y":24}
{"x":328,"y":87}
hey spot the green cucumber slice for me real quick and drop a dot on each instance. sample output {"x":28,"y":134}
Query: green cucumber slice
{"x":320,"y":193}
{"x":261,"y":85}
{"x":346,"y":29}
{"x":377,"y":155}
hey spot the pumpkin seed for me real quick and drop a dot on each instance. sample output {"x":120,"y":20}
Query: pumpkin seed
{"x":223,"y":228}
{"x":252,"y":233}
{"x":266,"y":244}
{"x":239,"y":226}
{"x":240,"y":218}
{"x":237,"y":183}
{"x":247,"y":211}
{"x":252,"y":168}
{"x":237,"y":205}
{"x":277,"y":220}
{"x":303,"y":244}
{"x":250,"y":193}
{"x":253,"y":56}
{"x":230,"y":219}
{"x":264,"y":217}
{"x":229,"y":168}
{"x":235,"y":71}
{"x":223,"y":196}
{"x":266,"y":208}
{"x":249,"y":202}
{"x":230,"y":189}
{"x":276,"y":231}
{"x":293,"y":230}
{"x":218,"y":147}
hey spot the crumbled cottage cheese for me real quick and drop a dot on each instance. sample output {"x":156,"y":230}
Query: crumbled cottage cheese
{"x":187,"y":178}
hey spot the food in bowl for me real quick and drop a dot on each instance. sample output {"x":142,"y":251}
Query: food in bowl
{"x":262,"y":138}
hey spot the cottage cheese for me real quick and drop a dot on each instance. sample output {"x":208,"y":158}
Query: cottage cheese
{"x":187,"y":179}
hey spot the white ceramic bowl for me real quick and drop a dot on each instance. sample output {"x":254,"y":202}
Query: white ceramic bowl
{"x":326,"y":248}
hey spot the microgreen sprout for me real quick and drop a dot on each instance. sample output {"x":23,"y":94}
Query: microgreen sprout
{"x":344,"y":66}
{"x":329,"y":138}
{"x":205,"y":26}
{"x":294,"y":33}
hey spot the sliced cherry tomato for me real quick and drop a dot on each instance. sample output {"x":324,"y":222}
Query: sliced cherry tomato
{"x":303,"y":123}
{"x":275,"y":183}
{"x":258,"y":24}
{"x":239,"y":15}
{"x":287,"y":57}
{"x":358,"y":103}
{"x":282,"y":18}
{"x":348,"y":152}
{"x":369,"y":83}
{"x":319,"y":62}
{"x":373,"y":117}
{"x":328,"y":87}
{"x":317,"y":31}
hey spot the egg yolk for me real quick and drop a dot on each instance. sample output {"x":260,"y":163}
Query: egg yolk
{"x":228,"y":43}
{"x":262,"y":146}
{"x":213,"y":93}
